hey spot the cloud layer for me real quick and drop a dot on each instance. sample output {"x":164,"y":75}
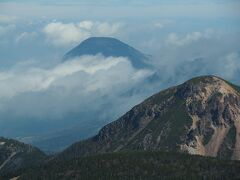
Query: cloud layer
{"x":76,"y":83}
{"x":6,"y":29}
{"x":62,"y":34}
{"x":7,"y":19}
{"x":174,"y":39}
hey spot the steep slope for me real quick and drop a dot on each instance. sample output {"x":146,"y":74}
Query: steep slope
{"x":137,"y":165}
{"x":108,"y":47}
{"x":201,"y":116}
{"x":16,"y":156}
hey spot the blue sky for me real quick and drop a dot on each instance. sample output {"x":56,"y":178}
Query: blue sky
{"x":174,"y":8}
{"x":185,"y":39}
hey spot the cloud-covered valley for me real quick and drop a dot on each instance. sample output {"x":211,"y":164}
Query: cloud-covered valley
{"x":87,"y":83}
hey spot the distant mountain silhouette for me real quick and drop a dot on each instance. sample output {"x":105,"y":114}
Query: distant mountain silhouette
{"x":108,"y":46}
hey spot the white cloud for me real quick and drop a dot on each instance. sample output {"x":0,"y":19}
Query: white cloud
{"x":85,"y":84}
{"x":107,"y":29}
{"x":159,"y":25}
{"x":162,"y":23}
{"x":7,"y":19}
{"x":6,"y":29}
{"x":28,"y":79}
{"x":229,"y":66}
{"x":174,"y":39}
{"x":26,"y":36}
{"x":86,"y":25}
{"x":63,"y":34}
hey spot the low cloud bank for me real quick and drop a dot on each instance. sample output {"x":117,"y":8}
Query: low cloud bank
{"x":70,"y":90}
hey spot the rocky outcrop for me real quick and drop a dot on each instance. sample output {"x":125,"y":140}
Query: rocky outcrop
{"x":214,"y":106}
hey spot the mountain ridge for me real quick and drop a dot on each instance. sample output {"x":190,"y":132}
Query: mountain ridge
{"x":197,"y":117}
{"x":170,"y":131}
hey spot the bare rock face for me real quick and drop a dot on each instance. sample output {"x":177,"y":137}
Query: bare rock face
{"x":201,"y":116}
{"x":214,"y":106}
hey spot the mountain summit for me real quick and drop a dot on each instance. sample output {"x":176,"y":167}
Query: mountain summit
{"x":108,"y":47}
{"x":200,"y":116}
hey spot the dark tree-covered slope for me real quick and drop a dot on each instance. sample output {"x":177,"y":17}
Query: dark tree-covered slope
{"x":137,"y":165}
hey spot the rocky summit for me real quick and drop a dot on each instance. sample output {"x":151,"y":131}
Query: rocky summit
{"x":200,"y":116}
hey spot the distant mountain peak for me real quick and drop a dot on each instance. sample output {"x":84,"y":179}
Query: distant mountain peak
{"x":108,"y":46}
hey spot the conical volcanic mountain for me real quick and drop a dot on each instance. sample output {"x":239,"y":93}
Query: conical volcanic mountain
{"x":108,"y":47}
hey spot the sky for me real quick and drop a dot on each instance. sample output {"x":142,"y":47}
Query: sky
{"x":184,"y":38}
